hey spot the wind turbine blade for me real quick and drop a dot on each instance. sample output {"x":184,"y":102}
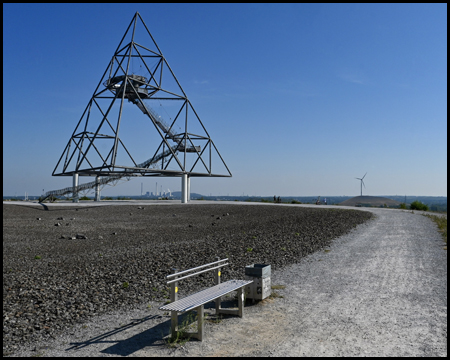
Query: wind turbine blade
{"x":363,"y":183}
{"x":364,"y":176}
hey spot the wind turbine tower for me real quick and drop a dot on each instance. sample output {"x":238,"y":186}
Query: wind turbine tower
{"x":362,"y":182}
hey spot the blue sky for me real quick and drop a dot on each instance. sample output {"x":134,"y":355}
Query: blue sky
{"x":298,"y":98}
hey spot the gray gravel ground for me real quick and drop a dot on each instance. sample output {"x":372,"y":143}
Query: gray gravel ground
{"x":379,"y":290}
{"x":65,"y":264}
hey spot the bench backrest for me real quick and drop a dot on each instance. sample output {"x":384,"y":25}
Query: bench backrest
{"x":216,"y":265}
{"x":176,"y":273}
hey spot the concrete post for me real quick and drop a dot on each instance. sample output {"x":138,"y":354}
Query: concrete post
{"x":184,"y":181}
{"x":74,"y":190}
{"x":97,"y":188}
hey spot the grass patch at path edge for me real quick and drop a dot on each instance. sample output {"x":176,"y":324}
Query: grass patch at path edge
{"x":441,"y":222}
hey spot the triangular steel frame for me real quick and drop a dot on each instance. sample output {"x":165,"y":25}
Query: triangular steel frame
{"x":118,"y":84}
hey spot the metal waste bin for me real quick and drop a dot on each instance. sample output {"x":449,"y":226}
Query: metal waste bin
{"x":260,"y":288}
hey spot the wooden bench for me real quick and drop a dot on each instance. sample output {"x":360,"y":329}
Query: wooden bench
{"x":199,"y":299}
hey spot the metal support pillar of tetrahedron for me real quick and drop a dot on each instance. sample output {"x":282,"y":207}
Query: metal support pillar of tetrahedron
{"x":184,"y":188}
{"x":189,"y":188}
{"x":97,"y":188}
{"x":75,"y":190}
{"x":139,"y":95}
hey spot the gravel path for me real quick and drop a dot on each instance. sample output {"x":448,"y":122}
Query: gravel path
{"x":379,"y":290}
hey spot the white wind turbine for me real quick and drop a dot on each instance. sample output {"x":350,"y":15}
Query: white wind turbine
{"x":362,"y":182}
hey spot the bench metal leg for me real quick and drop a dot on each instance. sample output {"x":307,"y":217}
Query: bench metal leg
{"x":200,"y":313}
{"x":218,"y":308}
{"x":218,"y":301}
{"x":240,"y":310}
{"x":200,"y":330}
{"x":173,"y":298}
{"x":174,"y":323}
{"x":240,"y":294}
{"x":217,"y":282}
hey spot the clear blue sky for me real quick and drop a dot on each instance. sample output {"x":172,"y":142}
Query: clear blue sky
{"x":299,"y":98}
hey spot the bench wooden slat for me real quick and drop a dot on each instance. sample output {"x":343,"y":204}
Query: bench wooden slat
{"x":195,"y":300}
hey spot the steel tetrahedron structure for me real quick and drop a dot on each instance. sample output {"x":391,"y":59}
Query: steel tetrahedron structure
{"x":138,"y":122}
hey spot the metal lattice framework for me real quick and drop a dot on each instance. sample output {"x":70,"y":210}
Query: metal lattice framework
{"x":137,"y":80}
